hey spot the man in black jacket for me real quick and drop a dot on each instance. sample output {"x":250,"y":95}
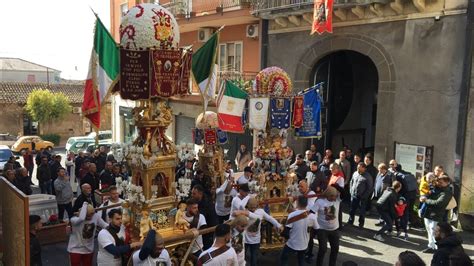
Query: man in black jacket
{"x":386,"y":209}
{"x":450,"y":250}
{"x":91,"y":178}
{"x":107,"y":178}
{"x":207,"y":209}
{"x":43,"y":174}
{"x":54,"y":165}
{"x":35,"y":247}
{"x":317,"y":180}
{"x":86,"y":195}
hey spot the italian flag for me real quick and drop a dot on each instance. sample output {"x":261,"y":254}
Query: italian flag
{"x":204,"y":68}
{"x":230,"y":108}
{"x":103,"y":73}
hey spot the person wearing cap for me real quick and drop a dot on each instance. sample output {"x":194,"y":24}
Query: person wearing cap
{"x":153,"y":251}
{"x":326,"y":209}
{"x":224,"y":196}
{"x":300,"y":167}
{"x":220,"y":254}
{"x":238,"y":226}
{"x":35,"y":246}
{"x":242,"y":158}
{"x":246,"y":177}
{"x":81,"y":241}
{"x":240,"y":201}
{"x":252,"y":235}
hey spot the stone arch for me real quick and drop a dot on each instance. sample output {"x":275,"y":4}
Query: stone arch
{"x":386,"y":76}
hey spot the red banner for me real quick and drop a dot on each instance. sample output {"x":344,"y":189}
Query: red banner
{"x":298,"y":109}
{"x":210,"y":136}
{"x":186,"y":58}
{"x":322,"y":16}
{"x":166,"y":72}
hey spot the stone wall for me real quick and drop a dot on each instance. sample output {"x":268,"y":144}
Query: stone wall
{"x":419,"y":64}
{"x":11,"y":119}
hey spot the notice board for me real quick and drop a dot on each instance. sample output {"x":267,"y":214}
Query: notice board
{"x":416,"y":159}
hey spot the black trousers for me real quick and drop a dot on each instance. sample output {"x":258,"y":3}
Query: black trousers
{"x":222,"y":219}
{"x":323,"y":237}
{"x":65,"y":207}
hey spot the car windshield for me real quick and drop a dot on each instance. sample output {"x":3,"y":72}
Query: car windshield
{"x":5,"y":155}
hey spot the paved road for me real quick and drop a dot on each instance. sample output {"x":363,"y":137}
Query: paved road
{"x":356,"y":245}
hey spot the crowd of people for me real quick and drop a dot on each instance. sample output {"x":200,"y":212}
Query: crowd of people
{"x":324,"y":184}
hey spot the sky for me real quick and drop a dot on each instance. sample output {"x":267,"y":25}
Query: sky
{"x":53,"y":33}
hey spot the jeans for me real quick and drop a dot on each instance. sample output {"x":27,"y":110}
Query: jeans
{"x":387,"y":218}
{"x":251,"y":254}
{"x":357,"y":203}
{"x":46,"y":187}
{"x":222,"y":219}
{"x":309,"y":250}
{"x":286,"y":252}
{"x":430,"y":227}
{"x":65,"y":207}
{"x":323,"y":237}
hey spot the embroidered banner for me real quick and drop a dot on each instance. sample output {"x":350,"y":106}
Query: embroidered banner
{"x":280,"y":112}
{"x":134,"y":74}
{"x":210,"y":137}
{"x":198,"y":136}
{"x":322,"y":16}
{"x":222,"y":136}
{"x":311,"y":127}
{"x":258,"y":113}
{"x":297,"y":111}
{"x":166,"y":72}
{"x":186,"y":60}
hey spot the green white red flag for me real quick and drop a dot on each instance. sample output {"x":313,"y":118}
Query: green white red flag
{"x":322,"y":16}
{"x":204,"y":69}
{"x":230,"y":108}
{"x":103,"y":73}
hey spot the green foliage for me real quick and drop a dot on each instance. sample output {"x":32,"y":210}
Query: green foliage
{"x":54,"y":138}
{"x":46,"y":106}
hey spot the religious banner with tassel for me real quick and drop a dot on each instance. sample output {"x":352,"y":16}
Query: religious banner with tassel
{"x":322,"y":16}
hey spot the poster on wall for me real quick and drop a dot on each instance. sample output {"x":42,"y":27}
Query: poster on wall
{"x":416,"y":159}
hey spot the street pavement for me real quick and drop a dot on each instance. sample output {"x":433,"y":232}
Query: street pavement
{"x":356,"y":245}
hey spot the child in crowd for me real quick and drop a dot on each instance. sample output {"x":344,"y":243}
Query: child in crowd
{"x":426,"y":188}
{"x":400,"y":210}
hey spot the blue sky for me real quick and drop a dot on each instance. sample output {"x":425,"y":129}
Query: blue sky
{"x":54,"y":33}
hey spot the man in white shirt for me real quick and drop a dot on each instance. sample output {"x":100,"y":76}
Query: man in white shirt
{"x":113,"y":199}
{"x":240,"y":201}
{"x":298,"y":223}
{"x":81,"y":241}
{"x":112,"y":246}
{"x":244,"y":179}
{"x":195,"y":220}
{"x":326,"y":210}
{"x":153,"y":252}
{"x":224,"y":196}
{"x":252,"y":234}
{"x":220,"y":254}
{"x":238,"y":226}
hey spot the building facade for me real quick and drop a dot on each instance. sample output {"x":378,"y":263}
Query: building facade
{"x":19,"y":70}
{"x":392,"y":73}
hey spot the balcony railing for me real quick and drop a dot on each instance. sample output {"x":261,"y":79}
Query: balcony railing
{"x":270,"y":5}
{"x":190,"y":8}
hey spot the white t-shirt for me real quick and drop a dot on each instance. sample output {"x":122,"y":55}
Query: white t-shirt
{"x":299,"y":235}
{"x":228,"y":258}
{"x":109,"y":209}
{"x":81,"y":240}
{"x":238,"y":204}
{"x":198,"y":243}
{"x":242,"y":180}
{"x":237,"y":242}
{"x":221,"y":199}
{"x":164,"y":258}
{"x":104,"y":258}
{"x":327,"y":213}
{"x":252,"y":232}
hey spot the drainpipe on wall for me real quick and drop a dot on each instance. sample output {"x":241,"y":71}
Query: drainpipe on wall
{"x":264,"y":44}
{"x":464,"y":101}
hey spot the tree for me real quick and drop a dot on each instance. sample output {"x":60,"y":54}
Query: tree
{"x":45,"y":106}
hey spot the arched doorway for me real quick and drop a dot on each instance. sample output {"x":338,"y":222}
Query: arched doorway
{"x":349,"y":93}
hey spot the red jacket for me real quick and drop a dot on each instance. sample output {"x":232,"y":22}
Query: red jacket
{"x":400,"y":209}
{"x":28,"y":160}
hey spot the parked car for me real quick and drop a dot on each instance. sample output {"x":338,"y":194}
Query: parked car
{"x":92,"y":147}
{"x":26,"y":142}
{"x":72,"y":140}
{"x":7,"y":139}
{"x":103,"y":135}
{"x":79,"y":144}
{"x":5,"y":154}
